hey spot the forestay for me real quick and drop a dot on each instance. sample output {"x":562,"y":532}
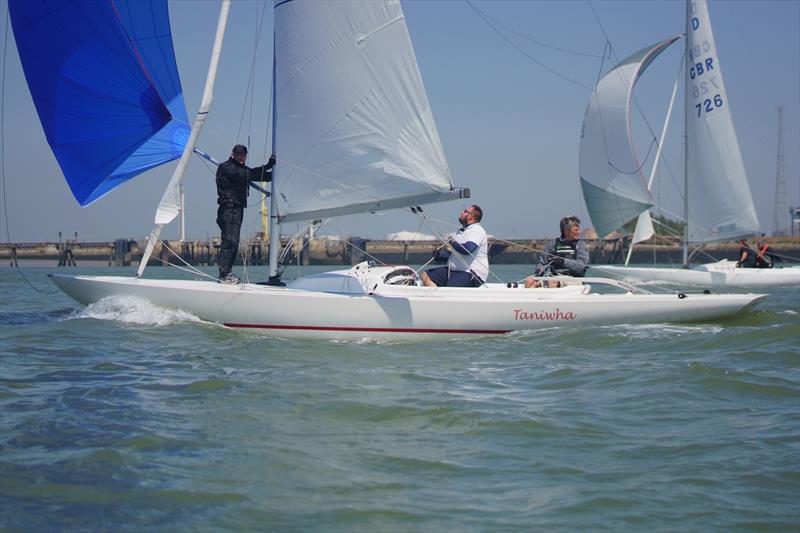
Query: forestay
{"x":353,"y":128}
{"x":105,"y":84}
{"x":611,"y":176}
{"x":720,"y":203}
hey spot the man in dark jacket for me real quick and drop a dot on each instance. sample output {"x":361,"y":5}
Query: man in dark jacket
{"x":565,"y":256}
{"x":747,"y":256}
{"x":233,"y":186}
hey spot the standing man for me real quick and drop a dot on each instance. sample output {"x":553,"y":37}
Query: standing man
{"x":468,"y":262}
{"x":233,"y":187}
{"x":565,"y":256}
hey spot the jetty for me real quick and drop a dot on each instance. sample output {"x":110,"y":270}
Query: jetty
{"x":353,"y":250}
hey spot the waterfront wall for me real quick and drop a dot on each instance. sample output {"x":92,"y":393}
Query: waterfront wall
{"x":128,"y":252}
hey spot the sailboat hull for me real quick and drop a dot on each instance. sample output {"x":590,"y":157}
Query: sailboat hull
{"x":722,"y":274}
{"x":403,"y":312}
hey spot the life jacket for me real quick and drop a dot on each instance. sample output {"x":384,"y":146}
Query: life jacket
{"x":567,"y":249}
{"x":762,"y":261}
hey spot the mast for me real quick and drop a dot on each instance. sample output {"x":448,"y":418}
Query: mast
{"x":274,"y":228}
{"x":687,"y":63}
{"x":170,"y":204}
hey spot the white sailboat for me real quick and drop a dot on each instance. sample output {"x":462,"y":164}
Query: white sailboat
{"x":354,"y":133}
{"x":717,"y":200}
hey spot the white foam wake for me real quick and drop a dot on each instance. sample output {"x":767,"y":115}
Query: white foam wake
{"x":131,"y":310}
{"x":659,"y":331}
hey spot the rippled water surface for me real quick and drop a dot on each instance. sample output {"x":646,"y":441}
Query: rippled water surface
{"x":127,"y":417}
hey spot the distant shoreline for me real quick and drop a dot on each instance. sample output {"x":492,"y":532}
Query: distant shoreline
{"x":327,"y":251}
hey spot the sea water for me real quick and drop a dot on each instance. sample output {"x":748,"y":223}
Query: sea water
{"x":122,"y":416}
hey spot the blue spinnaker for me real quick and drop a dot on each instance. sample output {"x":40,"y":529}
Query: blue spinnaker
{"x":103,"y":77}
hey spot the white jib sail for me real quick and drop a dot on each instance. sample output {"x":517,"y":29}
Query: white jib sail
{"x":720,"y":203}
{"x":354,"y":130}
{"x":614,"y":187}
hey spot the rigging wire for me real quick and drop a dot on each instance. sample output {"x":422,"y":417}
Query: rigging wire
{"x":638,"y":107}
{"x":634,"y":99}
{"x":445,"y":239}
{"x":249,"y":98}
{"x":609,"y":50}
{"x":246,"y":256}
{"x":527,"y":37}
{"x":248,"y":103}
{"x":646,"y":157}
{"x":189,"y":268}
{"x":530,"y":248}
{"x":666,"y":161}
{"x":350,"y":244}
{"x":606,"y":51}
{"x":496,"y":239}
{"x":523,"y":52}
{"x":317,"y":224}
{"x":3,"y":159}
{"x":606,"y":55}
{"x":599,"y":23}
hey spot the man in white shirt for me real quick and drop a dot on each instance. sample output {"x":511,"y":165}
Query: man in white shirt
{"x":467,"y":254}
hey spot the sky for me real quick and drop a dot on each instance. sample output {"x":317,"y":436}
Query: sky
{"x":508,"y":99}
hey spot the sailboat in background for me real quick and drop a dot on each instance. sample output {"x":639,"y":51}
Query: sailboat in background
{"x":354,"y":132}
{"x":718,"y":204}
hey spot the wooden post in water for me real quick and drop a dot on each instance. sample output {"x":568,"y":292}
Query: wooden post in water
{"x":165,"y":253}
{"x":122,"y":252}
{"x":66,"y":258}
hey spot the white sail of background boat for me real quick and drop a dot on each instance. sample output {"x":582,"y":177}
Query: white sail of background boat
{"x":718,"y":204}
{"x":354,"y":132}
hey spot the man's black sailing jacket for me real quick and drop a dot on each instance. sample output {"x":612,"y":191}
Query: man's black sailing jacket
{"x":233,"y":181}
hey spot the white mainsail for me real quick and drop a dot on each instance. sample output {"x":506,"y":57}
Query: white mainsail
{"x":353,"y":128}
{"x":720,"y":204}
{"x":612,"y":181}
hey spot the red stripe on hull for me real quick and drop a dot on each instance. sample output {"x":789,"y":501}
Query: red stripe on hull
{"x":371,"y":330}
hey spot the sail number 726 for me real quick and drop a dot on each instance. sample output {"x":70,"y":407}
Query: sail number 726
{"x":708,"y":105}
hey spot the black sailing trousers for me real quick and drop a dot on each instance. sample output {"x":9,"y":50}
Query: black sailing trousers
{"x":229,"y":220}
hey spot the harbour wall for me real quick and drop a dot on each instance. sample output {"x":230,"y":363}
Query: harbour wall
{"x":353,"y":250}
